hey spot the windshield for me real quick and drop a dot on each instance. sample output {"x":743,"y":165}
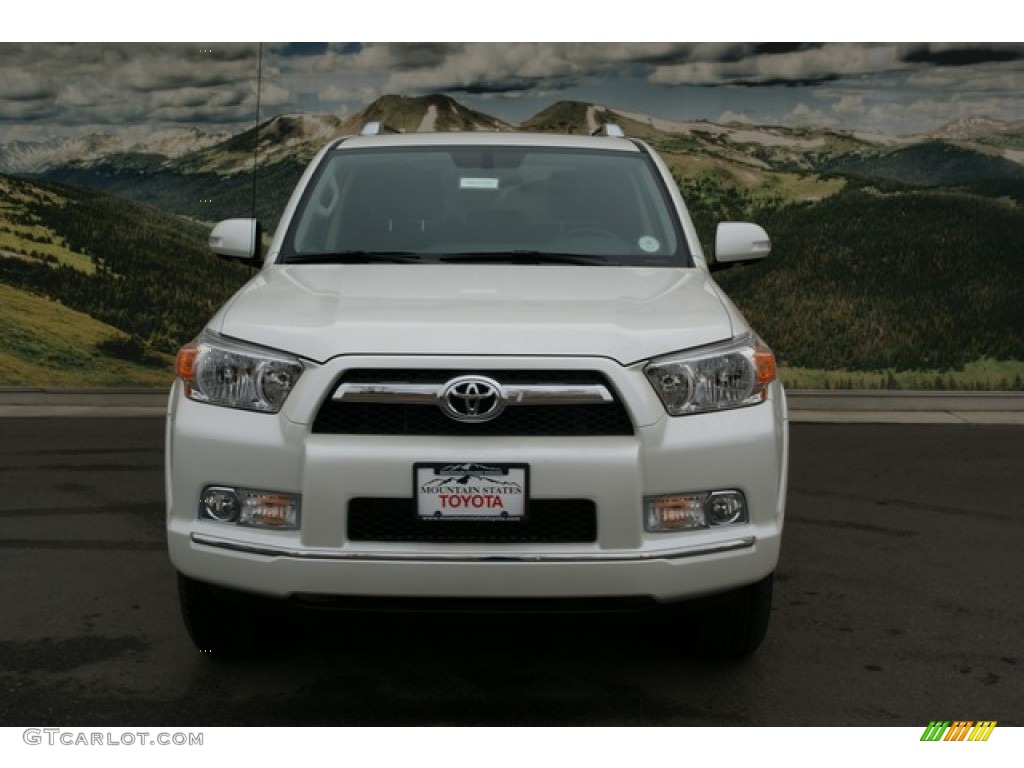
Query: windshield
{"x":482,"y":204}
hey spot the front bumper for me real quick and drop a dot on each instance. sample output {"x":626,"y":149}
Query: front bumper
{"x":743,"y":449}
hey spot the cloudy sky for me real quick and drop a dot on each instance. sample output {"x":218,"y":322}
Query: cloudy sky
{"x":891,"y":88}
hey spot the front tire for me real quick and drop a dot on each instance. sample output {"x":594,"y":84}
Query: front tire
{"x":733,"y":625}
{"x":217,"y":624}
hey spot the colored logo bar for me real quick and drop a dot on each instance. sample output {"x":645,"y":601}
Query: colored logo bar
{"x":958,"y":730}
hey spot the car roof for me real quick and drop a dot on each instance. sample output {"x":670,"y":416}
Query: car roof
{"x":487,"y":139}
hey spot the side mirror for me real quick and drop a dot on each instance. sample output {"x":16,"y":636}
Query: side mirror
{"x":238,"y":239}
{"x":739,"y":242}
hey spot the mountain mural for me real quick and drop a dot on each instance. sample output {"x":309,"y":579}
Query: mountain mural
{"x":210,"y":177}
{"x":891,"y":255}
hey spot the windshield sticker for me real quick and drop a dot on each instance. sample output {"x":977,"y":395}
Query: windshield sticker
{"x":648,"y":244}
{"x":478,"y":183}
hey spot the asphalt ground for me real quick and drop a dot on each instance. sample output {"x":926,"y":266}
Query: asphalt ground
{"x":897,"y":602}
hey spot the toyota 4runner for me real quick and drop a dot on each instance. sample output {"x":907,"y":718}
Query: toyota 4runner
{"x":479,"y":368}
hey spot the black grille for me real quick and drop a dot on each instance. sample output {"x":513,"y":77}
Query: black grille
{"x":582,"y":420}
{"x":548,"y":521}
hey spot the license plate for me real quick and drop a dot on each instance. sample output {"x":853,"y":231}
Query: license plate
{"x":471,"y":491}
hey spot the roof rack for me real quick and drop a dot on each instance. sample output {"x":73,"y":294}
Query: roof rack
{"x":376,"y":128}
{"x":609,"y":129}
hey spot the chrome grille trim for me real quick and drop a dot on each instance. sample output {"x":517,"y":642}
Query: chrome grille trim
{"x":397,"y":394}
{"x":473,"y":402}
{"x":402,"y":393}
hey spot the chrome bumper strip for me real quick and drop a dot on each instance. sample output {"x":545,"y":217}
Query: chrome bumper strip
{"x":675,"y":553}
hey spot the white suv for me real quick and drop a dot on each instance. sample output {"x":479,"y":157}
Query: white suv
{"x":479,"y":369}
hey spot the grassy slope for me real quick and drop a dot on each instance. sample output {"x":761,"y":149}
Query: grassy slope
{"x":153,"y":279}
{"x":47,"y":344}
{"x":869,"y":282}
{"x":980,"y":375}
{"x":21,"y":235}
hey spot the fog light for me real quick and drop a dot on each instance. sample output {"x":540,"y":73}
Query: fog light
{"x":253,"y":508}
{"x":725,"y":507}
{"x":694,"y":511}
{"x":262,"y":509}
{"x":220,"y":504}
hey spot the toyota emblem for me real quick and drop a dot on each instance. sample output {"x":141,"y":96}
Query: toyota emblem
{"x":472,"y":399}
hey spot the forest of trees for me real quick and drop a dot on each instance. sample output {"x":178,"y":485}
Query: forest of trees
{"x":201,"y":195}
{"x":872,"y":279}
{"x":155,"y":278}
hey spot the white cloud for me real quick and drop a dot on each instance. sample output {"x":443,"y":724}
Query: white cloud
{"x":850,"y":106}
{"x":69,"y":86}
{"x":808,"y":65}
{"x":734,"y":117}
{"x":271,"y":95}
{"x":802,"y":114}
{"x":18,"y":85}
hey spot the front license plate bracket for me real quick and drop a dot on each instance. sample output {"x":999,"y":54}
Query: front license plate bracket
{"x":471,"y":491}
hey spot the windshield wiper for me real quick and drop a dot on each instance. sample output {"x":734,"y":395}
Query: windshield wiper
{"x":355,"y":257}
{"x":522,"y":257}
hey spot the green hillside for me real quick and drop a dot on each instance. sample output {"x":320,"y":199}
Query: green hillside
{"x":909,"y":280}
{"x":147,"y":276}
{"x":929,"y":164}
{"x":46,"y":344}
{"x":206,"y":195}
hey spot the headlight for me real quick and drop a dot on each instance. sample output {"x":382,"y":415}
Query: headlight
{"x":714,"y":378}
{"x":230,"y":373}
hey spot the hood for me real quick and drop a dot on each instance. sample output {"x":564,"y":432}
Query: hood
{"x":623,"y":313}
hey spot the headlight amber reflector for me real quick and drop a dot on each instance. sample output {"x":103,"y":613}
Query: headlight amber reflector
{"x":233,"y":374}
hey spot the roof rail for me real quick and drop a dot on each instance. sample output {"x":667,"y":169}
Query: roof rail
{"x":375,"y":128}
{"x":609,"y":129}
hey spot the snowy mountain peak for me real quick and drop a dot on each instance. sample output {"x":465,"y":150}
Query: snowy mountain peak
{"x":40,"y":156}
{"x":970,"y":128}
